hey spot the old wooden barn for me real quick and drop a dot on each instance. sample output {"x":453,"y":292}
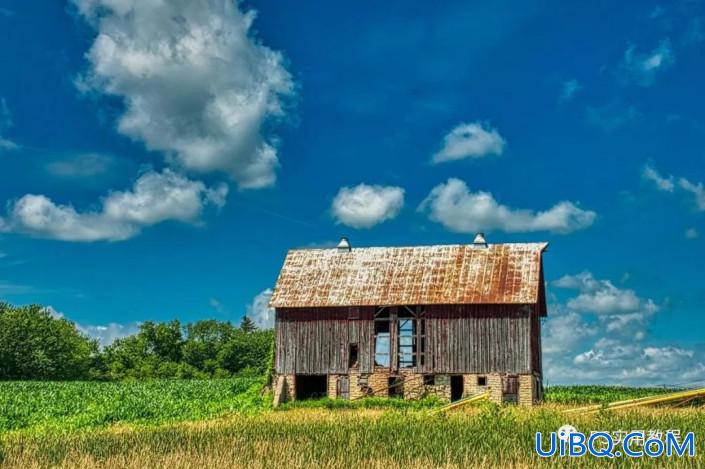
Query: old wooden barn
{"x":449,"y":320}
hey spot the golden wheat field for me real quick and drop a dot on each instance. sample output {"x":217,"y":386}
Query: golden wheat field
{"x":486,"y":436}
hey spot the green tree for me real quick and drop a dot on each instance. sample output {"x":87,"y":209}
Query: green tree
{"x":203,"y":341}
{"x":247,"y":325}
{"x":36,"y":345}
{"x":246,"y":351}
{"x":164,"y":339}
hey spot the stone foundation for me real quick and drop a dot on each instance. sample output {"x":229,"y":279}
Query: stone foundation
{"x":284,"y":389}
{"x":416,"y":386}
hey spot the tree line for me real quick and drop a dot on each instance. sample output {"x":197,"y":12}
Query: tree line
{"x":38,"y":346}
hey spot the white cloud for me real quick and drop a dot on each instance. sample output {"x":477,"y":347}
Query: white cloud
{"x":692,"y":233}
{"x":562,"y":332}
{"x":696,"y":190}
{"x":642,"y":68}
{"x":154,"y":198}
{"x":9,"y":288}
{"x":6,"y":144}
{"x":662,"y":183}
{"x":195,"y":82}
{"x":81,"y":166}
{"x":456,"y":208}
{"x":667,"y":184}
{"x":473,"y":140}
{"x":105,"y":334}
{"x":600,"y":336}
{"x":601,"y":296}
{"x":568,"y":90}
{"x":217,"y":305}
{"x":260,"y":312}
{"x":365,"y":206}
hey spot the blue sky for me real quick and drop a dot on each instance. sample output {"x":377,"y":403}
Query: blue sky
{"x":158,"y":159}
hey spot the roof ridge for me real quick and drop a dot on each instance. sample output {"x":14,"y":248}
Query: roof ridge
{"x":354,"y":248}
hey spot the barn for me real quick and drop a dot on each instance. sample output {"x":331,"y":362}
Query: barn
{"x":444,"y":320}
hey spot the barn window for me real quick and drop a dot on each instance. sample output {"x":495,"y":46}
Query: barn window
{"x":352,"y":356}
{"x":382,"y":337}
{"x":408,"y":334}
{"x":407,"y":342}
{"x":482,"y":380}
{"x":429,"y":380}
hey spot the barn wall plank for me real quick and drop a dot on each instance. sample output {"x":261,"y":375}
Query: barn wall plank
{"x":460,"y":339}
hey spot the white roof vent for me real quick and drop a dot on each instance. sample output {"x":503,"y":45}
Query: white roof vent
{"x":344,"y":244}
{"x":480,"y":240}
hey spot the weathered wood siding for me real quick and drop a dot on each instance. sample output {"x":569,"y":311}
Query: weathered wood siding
{"x":459,"y":339}
{"x":316,"y":340}
{"x":478,"y":338}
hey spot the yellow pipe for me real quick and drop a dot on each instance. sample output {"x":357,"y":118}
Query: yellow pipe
{"x":462,"y":402}
{"x":657,"y":399}
{"x":601,"y":406}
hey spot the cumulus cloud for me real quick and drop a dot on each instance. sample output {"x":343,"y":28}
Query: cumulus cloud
{"x":473,"y":140}
{"x":568,"y":90}
{"x":196,"y":83}
{"x":620,"y":310}
{"x":670,"y":184}
{"x":600,"y":336}
{"x":642,"y":68}
{"x":154,"y":198}
{"x":456,"y":208}
{"x":105,"y":334}
{"x":260,"y":312}
{"x":365,"y":206}
{"x":81,"y":166}
{"x":563,"y":331}
{"x":602,"y":297}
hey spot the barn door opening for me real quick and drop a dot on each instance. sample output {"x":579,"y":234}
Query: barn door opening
{"x":510,"y":389}
{"x":311,"y":386}
{"x":396,"y":386}
{"x":456,"y":387}
{"x":343,"y":387}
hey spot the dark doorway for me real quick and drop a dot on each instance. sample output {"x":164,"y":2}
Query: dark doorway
{"x":352,"y":356}
{"x":343,"y":387}
{"x":396,"y":387}
{"x":456,"y":387}
{"x":311,"y":386}
{"x":510,"y":389}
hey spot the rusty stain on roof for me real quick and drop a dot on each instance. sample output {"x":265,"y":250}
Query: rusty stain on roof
{"x":444,"y":274}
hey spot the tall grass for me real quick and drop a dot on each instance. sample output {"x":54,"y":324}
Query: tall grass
{"x":230,"y":423}
{"x":489,"y":436}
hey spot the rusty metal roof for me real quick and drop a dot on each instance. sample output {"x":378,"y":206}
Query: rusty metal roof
{"x":446,"y":274}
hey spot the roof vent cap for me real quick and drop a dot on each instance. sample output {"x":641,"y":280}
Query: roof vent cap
{"x":344,"y":244}
{"x":480,"y":240}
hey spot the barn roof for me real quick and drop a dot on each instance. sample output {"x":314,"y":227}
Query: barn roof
{"x":445,"y":274}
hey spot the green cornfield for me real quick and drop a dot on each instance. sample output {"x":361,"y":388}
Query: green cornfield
{"x":228,"y":423}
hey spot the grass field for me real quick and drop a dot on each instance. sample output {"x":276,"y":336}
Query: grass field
{"x":228,"y":424}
